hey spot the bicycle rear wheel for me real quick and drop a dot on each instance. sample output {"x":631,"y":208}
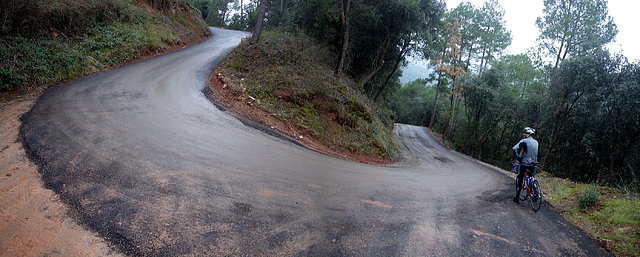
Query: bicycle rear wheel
{"x":523,"y":190}
{"x":536,"y":195}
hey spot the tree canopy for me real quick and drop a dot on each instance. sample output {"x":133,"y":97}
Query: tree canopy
{"x":574,"y":27}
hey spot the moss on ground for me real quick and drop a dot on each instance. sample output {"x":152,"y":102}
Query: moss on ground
{"x":292,"y":77}
{"x":614,"y":219}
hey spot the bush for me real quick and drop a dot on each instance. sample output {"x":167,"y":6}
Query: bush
{"x":69,"y":17}
{"x":119,"y":42}
{"x":40,"y":61}
{"x":9,"y":78}
{"x":589,"y":198}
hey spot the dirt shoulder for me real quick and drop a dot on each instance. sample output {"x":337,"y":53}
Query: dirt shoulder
{"x":33,"y":221}
{"x":244,"y":107}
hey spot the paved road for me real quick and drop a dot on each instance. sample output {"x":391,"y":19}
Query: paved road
{"x":148,"y":162}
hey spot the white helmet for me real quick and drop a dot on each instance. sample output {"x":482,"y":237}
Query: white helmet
{"x":529,"y":131}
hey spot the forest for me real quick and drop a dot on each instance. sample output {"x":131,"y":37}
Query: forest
{"x":582,"y":100}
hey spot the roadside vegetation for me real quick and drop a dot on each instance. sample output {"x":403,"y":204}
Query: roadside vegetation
{"x":610,"y":215}
{"x":291,"y":77}
{"x":42,"y":44}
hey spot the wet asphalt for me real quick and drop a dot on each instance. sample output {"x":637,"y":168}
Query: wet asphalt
{"x":148,"y":162}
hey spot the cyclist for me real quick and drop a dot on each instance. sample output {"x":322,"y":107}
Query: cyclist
{"x":526,"y":152}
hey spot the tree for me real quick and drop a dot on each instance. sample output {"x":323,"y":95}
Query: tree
{"x":387,"y":31}
{"x":493,"y":36}
{"x":258,"y":28}
{"x":483,"y":34}
{"x":244,"y":15}
{"x":521,"y":74}
{"x":574,"y":27}
{"x":405,"y":47}
{"x":344,"y":16}
{"x":214,"y":12}
{"x":596,"y":135}
{"x":575,"y":80}
{"x":451,"y":67}
{"x":410,"y":102}
{"x":468,"y":32}
{"x":482,"y":108}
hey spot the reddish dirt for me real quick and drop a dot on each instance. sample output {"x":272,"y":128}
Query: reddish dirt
{"x":233,"y":99}
{"x":33,"y":221}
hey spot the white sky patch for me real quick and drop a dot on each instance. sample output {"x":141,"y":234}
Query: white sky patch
{"x":625,"y":15}
{"x":520,"y":17}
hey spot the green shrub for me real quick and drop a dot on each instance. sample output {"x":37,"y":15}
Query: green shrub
{"x":9,"y":78}
{"x":119,"y":42}
{"x":589,"y":198}
{"x":42,"y":61}
{"x":66,"y":17}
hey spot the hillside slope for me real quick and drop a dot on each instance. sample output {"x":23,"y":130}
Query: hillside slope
{"x":287,"y":82}
{"x":42,"y":44}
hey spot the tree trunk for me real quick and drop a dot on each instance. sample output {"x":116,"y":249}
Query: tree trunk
{"x":241,"y":12}
{"x":377,"y":63}
{"x":561,"y":116}
{"x":345,"y":34}
{"x":434,"y":110}
{"x":209,"y":12}
{"x":482,"y":61}
{"x":435,"y":102}
{"x":258,"y":30}
{"x":469,"y":58}
{"x":501,"y":140}
{"x":453,"y":114}
{"x":403,"y":52}
{"x":560,"y":51}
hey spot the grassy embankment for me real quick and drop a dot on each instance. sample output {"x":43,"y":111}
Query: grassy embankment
{"x":43,"y":44}
{"x":292,"y":78}
{"x":605,"y":213}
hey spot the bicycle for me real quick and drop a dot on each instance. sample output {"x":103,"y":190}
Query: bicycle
{"x":530,"y":188}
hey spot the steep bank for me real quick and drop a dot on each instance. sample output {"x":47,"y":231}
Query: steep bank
{"x":47,"y":44}
{"x":286,"y":82}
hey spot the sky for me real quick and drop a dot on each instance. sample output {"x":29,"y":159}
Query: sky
{"x":520,"y":17}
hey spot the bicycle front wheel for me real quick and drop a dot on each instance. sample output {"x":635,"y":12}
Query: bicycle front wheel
{"x":536,"y":195}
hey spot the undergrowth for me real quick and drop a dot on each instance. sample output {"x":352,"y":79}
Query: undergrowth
{"x":69,"y":39}
{"x":607,"y":214}
{"x":293,"y":78}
